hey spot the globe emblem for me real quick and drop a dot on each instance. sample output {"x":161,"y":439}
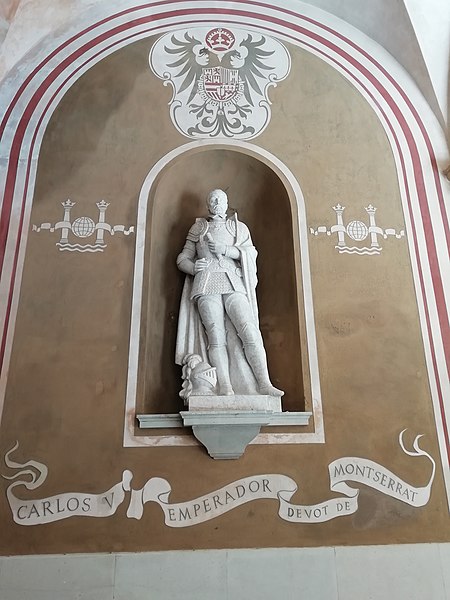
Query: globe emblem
{"x":83,"y":227}
{"x":357,"y":231}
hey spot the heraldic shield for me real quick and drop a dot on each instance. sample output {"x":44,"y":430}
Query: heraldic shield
{"x":220,"y":84}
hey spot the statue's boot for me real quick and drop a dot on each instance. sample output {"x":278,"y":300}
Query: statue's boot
{"x":218,"y":357}
{"x":256,"y":357}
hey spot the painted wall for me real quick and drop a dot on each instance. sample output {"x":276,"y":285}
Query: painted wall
{"x":404,"y":29}
{"x":372,"y":326}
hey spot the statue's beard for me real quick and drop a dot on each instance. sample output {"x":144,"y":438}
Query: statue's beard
{"x":218,"y":212}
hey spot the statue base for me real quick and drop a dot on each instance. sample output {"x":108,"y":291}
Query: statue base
{"x":225,"y":425}
{"x":235,"y":402}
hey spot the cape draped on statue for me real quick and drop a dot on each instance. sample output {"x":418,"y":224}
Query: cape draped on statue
{"x":191,"y":335}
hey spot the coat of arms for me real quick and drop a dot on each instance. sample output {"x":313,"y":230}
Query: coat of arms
{"x":220,"y":79}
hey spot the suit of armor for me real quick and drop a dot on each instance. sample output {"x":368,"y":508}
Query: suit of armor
{"x":214,"y":259}
{"x":223,"y":274}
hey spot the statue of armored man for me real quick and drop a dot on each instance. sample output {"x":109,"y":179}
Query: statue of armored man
{"x":218,"y":319}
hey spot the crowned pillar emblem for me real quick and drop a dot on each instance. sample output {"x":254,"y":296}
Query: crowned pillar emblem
{"x":81,"y":228}
{"x":357,"y":231}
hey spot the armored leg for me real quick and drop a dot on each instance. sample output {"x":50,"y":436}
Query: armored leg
{"x":212,"y":314}
{"x":239,"y":311}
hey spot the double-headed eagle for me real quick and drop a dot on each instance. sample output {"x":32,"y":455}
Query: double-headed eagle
{"x":195,"y":58}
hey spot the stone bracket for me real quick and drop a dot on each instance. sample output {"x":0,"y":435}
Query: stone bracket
{"x":225,"y":434}
{"x":225,"y":425}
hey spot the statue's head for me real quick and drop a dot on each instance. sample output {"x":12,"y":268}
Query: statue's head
{"x":217,"y":202}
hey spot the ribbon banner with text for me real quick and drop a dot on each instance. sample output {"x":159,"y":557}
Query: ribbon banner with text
{"x":343,"y":471}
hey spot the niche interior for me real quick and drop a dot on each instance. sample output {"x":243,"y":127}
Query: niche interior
{"x":262,"y":201}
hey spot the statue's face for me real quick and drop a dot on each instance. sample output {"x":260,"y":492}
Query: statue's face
{"x":217,"y":202}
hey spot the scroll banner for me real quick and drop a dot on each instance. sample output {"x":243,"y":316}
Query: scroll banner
{"x":61,"y":506}
{"x":204,"y":508}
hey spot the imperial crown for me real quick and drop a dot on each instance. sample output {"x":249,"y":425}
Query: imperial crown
{"x":220,"y":40}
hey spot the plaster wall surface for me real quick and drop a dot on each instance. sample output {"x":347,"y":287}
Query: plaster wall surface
{"x":7,"y":11}
{"x":375,"y":572}
{"x":431,"y":22}
{"x":416,"y":33}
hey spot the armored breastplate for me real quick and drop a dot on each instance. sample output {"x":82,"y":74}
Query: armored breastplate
{"x":223,"y":274}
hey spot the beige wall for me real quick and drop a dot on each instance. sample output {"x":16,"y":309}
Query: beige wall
{"x":66,"y":387}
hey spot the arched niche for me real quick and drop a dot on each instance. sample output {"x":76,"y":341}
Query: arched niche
{"x":262,"y":201}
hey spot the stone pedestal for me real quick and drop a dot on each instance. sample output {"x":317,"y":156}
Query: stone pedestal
{"x":235,"y":403}
{"x":225,"y":425}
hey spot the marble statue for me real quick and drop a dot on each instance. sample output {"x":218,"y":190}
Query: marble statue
{"x":218,"y":319}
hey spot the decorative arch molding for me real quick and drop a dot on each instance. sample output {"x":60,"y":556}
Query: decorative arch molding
{"x":299,"y":217}
{"x":35,"y":87}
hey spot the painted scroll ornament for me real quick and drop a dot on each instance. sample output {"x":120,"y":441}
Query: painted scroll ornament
{"x":220,"y":79}
{"x":278,"y":487}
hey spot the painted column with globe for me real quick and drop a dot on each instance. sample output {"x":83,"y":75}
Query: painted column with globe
{"x":66,"y":225}
{"x":339,"y":228}
{"x":374,"y":230}
{"x":82,"y":228}
{"x":102,"y":206}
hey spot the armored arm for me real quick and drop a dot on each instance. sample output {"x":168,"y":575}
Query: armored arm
{"x":186,"y":258}
{"x":232,"y":252}
{"x":218,"y":248}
